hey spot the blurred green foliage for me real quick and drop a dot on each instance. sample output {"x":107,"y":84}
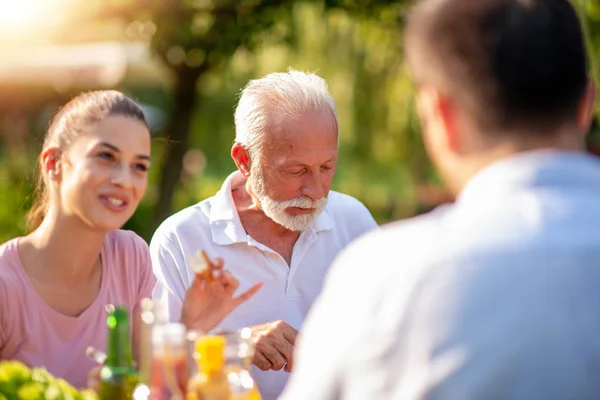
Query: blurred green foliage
{"x":355,"y":46}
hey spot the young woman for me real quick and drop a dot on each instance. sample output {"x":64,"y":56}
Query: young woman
{"x":56,"y":281}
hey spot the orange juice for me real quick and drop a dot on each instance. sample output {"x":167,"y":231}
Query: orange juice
{"x":211,"y":381}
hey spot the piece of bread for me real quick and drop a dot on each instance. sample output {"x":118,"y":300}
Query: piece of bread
{"x":202,"y":266}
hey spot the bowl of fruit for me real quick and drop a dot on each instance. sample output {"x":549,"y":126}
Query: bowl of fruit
{"x":19,"y":382}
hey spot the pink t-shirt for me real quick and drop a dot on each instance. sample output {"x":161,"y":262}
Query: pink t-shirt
{"x":34,"y":333}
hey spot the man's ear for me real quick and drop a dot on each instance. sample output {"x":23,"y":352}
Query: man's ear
{"x":446,"y":109}
{"x":439,"y":113}
{"x":241,"y":158}
{"x":585,"y":114}
{"x":51,"y":164}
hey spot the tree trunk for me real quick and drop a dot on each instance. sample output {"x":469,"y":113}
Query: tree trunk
{"x":185,"y":100}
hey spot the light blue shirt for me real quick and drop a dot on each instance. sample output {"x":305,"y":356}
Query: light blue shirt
{"x":494,"y":297}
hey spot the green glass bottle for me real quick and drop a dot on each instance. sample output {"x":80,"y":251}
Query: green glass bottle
{"x":118,"y":377}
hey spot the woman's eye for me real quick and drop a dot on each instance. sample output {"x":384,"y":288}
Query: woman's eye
{"x":141,"y":167}
{"x":105,"y":155}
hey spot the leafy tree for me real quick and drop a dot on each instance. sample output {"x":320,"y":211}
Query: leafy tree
{"x":196,"y":37}
{"x":193,"y":38}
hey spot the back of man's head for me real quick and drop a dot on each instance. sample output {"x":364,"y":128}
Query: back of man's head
{"x":512,"y":65}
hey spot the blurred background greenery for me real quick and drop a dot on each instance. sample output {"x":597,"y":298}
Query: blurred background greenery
{"x":186,"y":61}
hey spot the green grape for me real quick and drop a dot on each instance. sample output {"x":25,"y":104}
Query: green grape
{"x":41,"y":375}
{"x":18,"y":382}
{"x":53,"y":393}
{"x":14,"y":371}
{"x":31,"y":391}
{"x":8,"y":389}
{"x":86,"y":395}
{"x":12,"y":375}
{"x":68,"y":391}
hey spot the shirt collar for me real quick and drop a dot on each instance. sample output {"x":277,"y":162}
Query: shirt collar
{"x":225,"y":224}
{"x":532,"y":169}
{"x":324,"y":222}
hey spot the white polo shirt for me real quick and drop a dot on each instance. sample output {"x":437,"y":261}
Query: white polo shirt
{"x":288,"y":292}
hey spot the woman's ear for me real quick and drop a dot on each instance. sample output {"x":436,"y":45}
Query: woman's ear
{"x":51,"y":164}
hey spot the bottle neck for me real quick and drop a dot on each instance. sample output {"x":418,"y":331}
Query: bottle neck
{"x":145,"y":346}
{"x":119,"y":345}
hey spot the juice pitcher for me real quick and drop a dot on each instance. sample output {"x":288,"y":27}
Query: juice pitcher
{"x":210,"y":382}
{"x":239,"y":351}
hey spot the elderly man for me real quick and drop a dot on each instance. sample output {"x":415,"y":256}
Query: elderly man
{"x":274,"y":220}
{"x":498,"y":295}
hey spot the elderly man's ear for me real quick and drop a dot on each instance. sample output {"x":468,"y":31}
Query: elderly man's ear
{"x":241,"y":158}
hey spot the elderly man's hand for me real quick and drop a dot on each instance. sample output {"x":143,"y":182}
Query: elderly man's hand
{"x":274,"y":346}
{"x":210,"y":297}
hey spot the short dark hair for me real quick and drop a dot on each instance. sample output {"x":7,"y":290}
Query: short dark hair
{"x":516,"y":65}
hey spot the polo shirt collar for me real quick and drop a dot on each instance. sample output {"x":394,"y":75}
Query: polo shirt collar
{"x":226,"y":226}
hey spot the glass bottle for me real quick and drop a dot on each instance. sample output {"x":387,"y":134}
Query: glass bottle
{"x":147,"y":320}
{"x":118,"y":377}
{"x":169,"y":377}
{"x":145,"y":350}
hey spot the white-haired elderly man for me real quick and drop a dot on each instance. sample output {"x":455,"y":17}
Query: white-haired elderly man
{"x":275,"y":220}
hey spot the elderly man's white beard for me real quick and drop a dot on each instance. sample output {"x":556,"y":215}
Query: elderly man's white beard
{"x":276,"y":210}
